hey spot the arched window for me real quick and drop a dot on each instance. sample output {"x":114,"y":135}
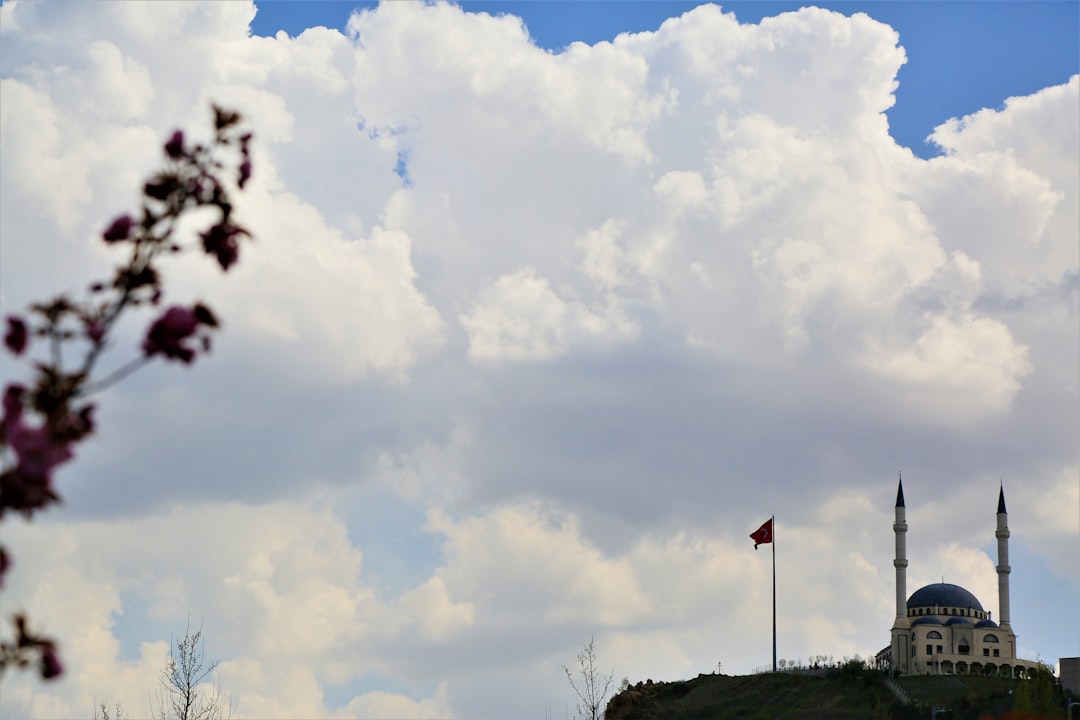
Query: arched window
{"x":990,"y":638}
{"x":934,"y":635}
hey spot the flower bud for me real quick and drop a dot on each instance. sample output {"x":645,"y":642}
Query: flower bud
{"x":17,"y":337}
{"x":119,"y":230}
{"x":174,"y":148}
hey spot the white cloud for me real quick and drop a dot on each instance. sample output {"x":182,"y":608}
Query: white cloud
{"x":363,"y":314}
{"x":277,"y":588}
{"x":519,"y":317}
{"x":121,"y":85}
{"x":1055,"y":504}
{"x":1052,"y":503}
{"x":604,"y":261}
{"x":1036,"y":128}
{"x":1015,"y":197}
{"x":47,"y":177}
{"x":379,"y":704}
{"x":967,"y":362}
{"x":517,"y":560}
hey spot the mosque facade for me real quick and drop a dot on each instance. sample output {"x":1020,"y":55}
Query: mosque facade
{"x":943,"y":628}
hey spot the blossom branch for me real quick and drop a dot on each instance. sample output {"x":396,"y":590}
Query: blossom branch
{"x":41,"y":423}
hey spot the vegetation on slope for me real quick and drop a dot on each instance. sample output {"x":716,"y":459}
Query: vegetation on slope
{"x":851,"y":693}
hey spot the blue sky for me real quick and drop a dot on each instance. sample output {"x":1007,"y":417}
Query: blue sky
{"x":963,"y":55}
{"x":528,"y":341}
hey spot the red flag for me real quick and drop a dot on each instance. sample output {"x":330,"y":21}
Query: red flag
{"x":763,"y":534}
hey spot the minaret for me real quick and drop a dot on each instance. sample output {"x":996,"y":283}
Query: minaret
{"x":1003,"y":568}
{"x":900,"y":563}
{"x":901,"y":640}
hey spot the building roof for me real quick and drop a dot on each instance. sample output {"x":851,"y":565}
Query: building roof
{"x":944,"y":595}
{"x":1001,"y":500}
{"x":926,"y":620}
{"x":987,"y":623}
{"x":900,"y":493}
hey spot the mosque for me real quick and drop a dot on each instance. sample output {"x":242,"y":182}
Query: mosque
{"x":942,"y":628}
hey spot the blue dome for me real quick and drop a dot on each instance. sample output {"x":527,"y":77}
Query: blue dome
{"x":943,"y":595}
{"x":957,"y":621}
{"x":927,"y":620}
{"x":986,"y":624}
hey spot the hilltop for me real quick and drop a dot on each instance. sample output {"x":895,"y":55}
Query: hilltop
{"x":848,"y":694}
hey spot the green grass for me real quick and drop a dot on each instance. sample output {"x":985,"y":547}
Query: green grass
{"x":965,"y":693}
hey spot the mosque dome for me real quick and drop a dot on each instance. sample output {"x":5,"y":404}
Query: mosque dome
{"x":944,"y":595}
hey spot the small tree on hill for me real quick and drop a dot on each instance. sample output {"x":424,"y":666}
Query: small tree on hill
{"x":593,"y":687}
{"x":183,"y":694}
{"x":102,"y":712}
{"x":1040,"y":694}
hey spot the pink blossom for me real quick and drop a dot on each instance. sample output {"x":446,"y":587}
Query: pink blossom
{"x":28,"y":486}
{"x":95,"y":331}
{"x":161,"y":187}
{"x":168,"y":333}
{"x":76,"y":425}
{"x":119,"y":230}
{"x":36,"y":451}
{"x":17,"y":336}
{"x":51,"y":667}
{"x":221,"y":241}
{"x":174,"y":148}
{"x":12,"y":406}
{"x":245,"y":173}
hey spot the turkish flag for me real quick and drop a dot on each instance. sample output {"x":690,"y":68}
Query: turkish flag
{"x":763,"y":534}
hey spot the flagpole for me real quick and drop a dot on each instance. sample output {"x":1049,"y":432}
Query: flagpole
{"x":773,"y":519}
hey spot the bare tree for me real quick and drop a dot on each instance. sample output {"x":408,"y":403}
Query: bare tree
{"x":184,"y":694}
{"x":593,"y":686}
{"x":102,"y":712}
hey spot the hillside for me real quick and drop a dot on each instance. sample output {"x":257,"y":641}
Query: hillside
{"x":839,"y":696}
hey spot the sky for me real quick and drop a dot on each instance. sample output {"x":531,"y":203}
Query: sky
{"x":549,"y":306}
